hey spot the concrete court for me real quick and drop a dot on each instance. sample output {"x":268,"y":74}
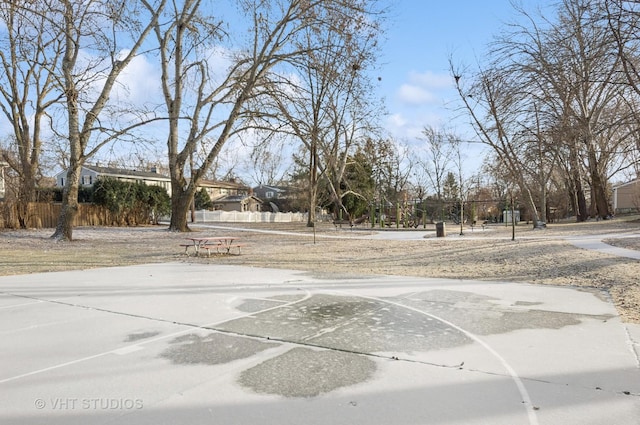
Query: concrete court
{"x":212,"y":344}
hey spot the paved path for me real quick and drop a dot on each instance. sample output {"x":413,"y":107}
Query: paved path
{"x":595,"y":243}
{"x":213,"y":344}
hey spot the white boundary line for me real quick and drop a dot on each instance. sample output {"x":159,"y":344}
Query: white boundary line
{"x":526,"y":398}
{"x":132,"y":347}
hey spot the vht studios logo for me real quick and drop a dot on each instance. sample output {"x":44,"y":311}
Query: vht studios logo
{"x":89,"y":403}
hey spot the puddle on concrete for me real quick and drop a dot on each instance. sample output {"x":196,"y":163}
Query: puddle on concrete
{"x":351,"y":323}
{"x":477,"y":314}
{"x":140,"y":335}
{"x":304,"y":372}
{"x":212,"y":349}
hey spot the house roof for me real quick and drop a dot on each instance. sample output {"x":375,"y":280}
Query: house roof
{"x":636,"y":181}
{"x":122,"y":172}
{"x":235,"y":198}
{"x":222,"y":184}
{"x":269,"y":187}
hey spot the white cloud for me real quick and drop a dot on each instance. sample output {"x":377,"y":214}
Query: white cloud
{"x":431,"y":80}
{"x":397,"y":121}
{"x":408,"y":125}
{"x":140,"y":82}
{"x":414,"y":95}
{"x":426,"y":88}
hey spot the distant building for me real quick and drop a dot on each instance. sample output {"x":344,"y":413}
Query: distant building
{"x":626,"y":197}
{"x":275,"y":197}
{"x":219,"y":189}
{"x":225,"y":195}
{"x":89,"y":174}
{"x":240,"y":203}
{"x":230,"y":196}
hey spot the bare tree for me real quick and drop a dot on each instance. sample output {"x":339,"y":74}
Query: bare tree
{"x":349,"y":131}
{"x":98,"y":27}
{"x":553,"y":93}
{"x":265,"y":163}
{"x":623,"y":19}
{"x":439,"y":150}
{"x":393,"y":166}
{"x":595,"y":75}
{"x":29,"y":55}
{"x":493,"y":106}
{"x":220,"y":106}
{"x":463,"y":187}
{"x":322,"y":99}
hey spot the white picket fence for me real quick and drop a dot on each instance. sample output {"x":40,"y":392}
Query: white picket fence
{"x":204,"y":216}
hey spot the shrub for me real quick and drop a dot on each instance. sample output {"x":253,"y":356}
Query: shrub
{"x":131,"y":203}
{"x":202,"y":200}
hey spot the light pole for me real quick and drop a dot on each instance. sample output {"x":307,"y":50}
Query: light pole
{"x":461,"y":217}
{"x":513,"y":217}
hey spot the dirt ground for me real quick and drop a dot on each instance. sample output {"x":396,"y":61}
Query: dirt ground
{"x":535,"y":256}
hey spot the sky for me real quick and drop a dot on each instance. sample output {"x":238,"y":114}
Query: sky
{"x":414,"y":65}
{"x":422,"y":36}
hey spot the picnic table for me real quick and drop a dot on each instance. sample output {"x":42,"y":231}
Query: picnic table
{"x":222,"y":244}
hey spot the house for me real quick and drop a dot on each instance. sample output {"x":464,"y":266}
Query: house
{"x":89,"y":174}
{"x":227,"y":196}
{"x":240,"y":203}
{"x":219,"y":189}
{"x":626,"y":197}
{"x":270,"y":193}
{"x":276,"y":197}
{"x":231,"y":196}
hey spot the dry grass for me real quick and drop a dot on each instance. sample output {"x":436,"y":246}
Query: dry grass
{"x":540,"y":257}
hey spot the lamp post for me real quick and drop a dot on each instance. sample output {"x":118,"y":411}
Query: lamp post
{"x":461,"y":216}
{"x":513,"y":217}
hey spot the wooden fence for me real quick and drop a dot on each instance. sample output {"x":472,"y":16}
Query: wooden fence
{"x":45,"y":215}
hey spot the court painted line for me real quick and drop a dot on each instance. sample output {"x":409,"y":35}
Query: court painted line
{"x":121,"y":350}
{"x":37,"y":326}
{"x":18,"y":305}
{"x":127,"y":350}
{"x":526,"y":398}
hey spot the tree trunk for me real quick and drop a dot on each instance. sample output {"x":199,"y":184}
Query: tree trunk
{"x":64,"y":228}
{"x":26,"y":191}
{"x":575,"y":176}
{"x":180,"y":204}
{"x":543,"y":208}
{"x":599,"y":192}
{"x":524,"y":189}
{"x":582,"y":213}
